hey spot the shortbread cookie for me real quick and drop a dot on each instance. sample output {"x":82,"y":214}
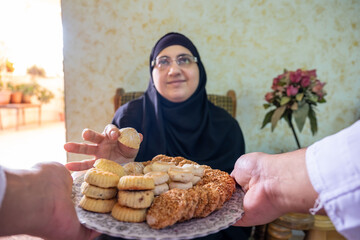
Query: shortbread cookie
{"x":109,"y":166}
{"x":161,"y":188}
{"x":97,"y":192}
{"x":136,"y":199}
{"x":97,"y":205}
{"x":166,"y":209}
{"x":129,"y":137}
{"x":134,"y":168}
{"x":126,"y":214}
{"x":159,"y":177}
{"x":180,"y":185}
{"x":101,"y":178}
{"x":180,"y":175}
{"x":136,"y":183}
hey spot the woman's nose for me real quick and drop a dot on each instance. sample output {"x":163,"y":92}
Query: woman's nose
{"x":174,"y":68}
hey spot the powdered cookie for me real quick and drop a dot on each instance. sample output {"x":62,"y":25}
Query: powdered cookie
{"x":109,"y":166}
{"x":161,"y":188}
{"x":195,"y":180}
{"x":180,"y":175}
{"x":159,"y":177}
{"x":162,"y":166}
{"x":126,"y":214}
{"x":97,"y":205}
{"x":197,"y":170}
{"x":135,"y":199}
{"x":129,"y":137}
{"x":136,"y":183}
{"x":101,"y":178}
{"x":97,"y":192}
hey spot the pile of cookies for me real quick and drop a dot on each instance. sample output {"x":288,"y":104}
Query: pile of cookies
{"x":100,"y":186}
{"x":162,"y":191}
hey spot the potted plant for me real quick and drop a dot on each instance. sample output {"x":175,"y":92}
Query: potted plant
{"x":28,"y":90}
{"x":44,"y":95}
{"x":16,"y":94}
{"x":4,"y":93}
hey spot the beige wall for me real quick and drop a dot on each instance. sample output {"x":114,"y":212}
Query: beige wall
{"x":243,"y":44}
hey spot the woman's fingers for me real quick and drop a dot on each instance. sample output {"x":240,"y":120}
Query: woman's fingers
{"x":81,"y":148}
{"x":112,"y":132}
{"x":80,"y":166}
{"x":92,"y":136}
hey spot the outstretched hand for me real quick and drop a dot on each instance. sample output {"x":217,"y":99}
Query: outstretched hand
{"x":274,"y":184}
{"x":102,"y":145}
{"x":249,"y":174}
{"x":38,"y":202}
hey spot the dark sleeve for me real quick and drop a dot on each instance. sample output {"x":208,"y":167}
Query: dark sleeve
{"x":129,"y":115}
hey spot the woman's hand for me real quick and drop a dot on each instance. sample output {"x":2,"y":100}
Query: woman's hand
{"x":273,"y":185}
{"x":105,"y":145}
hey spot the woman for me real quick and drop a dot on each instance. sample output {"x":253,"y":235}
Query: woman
{"x":174,"y":115}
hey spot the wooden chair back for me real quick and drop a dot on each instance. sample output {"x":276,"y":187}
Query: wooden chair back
{"x":227,"y":102}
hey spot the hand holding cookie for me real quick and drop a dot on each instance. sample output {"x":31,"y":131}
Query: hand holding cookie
{"x":119,"y":145}
{"x":129,"y":137}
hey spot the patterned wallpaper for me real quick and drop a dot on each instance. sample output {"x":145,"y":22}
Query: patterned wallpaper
{"x":243,"y":44}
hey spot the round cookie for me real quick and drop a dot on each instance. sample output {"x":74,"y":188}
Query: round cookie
{"x":134,"y":168}
{"x":129,"y":137}
{"x":97,"y":205}
{"x":136,"y":199}
{"x":162,"y":166}
{"x":126,"y":214}
{"x":161,"y":188}
{"x":180,"y":175}
{"x":109,"y":166}
{"x":136,"y":183}
{"x":97,"y":192}
{"x":159,"y":177}
{"x":101,"y":178}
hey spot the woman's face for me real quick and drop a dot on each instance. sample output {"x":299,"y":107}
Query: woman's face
{"x":175,"y":83}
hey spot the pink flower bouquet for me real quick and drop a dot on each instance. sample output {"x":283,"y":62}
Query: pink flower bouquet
{"x":295,"y":95}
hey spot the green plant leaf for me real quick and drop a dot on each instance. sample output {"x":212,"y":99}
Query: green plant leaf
{"x":300,"y":116}
{"x":299,"y":96}
{"x":267,"y":118}
{"x":266,"y":105}
{"x":294,"y":107}
{"x":313,"y":121}
{"x":284,"y":100}
{"x":276,"y":116}
{"x":322,"y":100}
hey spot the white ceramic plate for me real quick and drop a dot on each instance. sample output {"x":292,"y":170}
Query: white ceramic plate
{"x":105,"y":223}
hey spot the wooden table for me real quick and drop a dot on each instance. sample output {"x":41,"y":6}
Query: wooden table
{"x":22,"y":107}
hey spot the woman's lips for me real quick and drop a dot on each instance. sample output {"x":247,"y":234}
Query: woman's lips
{"x":175,"y":82}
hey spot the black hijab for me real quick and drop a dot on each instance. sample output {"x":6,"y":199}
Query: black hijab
{"x":195,"y":129}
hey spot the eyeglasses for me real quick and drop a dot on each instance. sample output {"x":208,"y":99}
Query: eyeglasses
{"x":183,"y":61}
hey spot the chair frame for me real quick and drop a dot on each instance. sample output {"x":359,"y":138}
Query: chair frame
{"x":120,"y":92}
